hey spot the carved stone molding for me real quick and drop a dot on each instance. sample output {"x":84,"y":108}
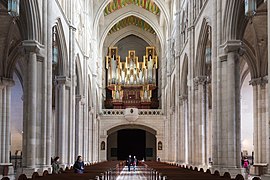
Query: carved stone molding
{"x":183,"y":98}
{"x":262,"y":81}
{"x":32,"y":46}
{"x":233,"y":46}
{"x":199,"y":80}
{"x":131,"y":114}
{"x":62,"y":80}
{"x":4,"y":82}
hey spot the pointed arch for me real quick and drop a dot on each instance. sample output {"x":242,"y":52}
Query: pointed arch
{"x":63,"y":55}
{"x":199,"y":68}
{"x":90,"y":93}
{"x":151,"y":20}
{"x":184,"y":77}
{"x":31,"y":20}
{"x":79,"y":75}
{"x":102,"y":5}
{"x":173,"y":92}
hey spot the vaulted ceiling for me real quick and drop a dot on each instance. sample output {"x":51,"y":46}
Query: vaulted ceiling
{"x":132,"y":20}
{"x":118,"y":4}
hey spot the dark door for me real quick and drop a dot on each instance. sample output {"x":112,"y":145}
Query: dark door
{"x":131,"y":142}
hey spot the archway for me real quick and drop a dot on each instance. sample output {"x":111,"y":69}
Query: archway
{"x":131,"y":141}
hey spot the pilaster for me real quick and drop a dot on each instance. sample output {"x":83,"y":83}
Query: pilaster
{"x":62,"y":83}
{"x":230,"y":142}
{"x":182,"y":128}
{"x":32,"y":50}
{"x":200,"y":83}
{"x":5,"y":98}
{"x":261,"y":124}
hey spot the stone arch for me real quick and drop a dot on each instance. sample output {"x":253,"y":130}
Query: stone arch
{"x":128,"y":126}
{"x":184,"y":76}
{"x":118,"y":18}
{"x":249,"y":57}
{"x":31,"y":20}
{"x":90,"y":95}
{"x":200,"y":55}
{"x":160,"y":3}
{"x":79,"y":75}
{"x":126,"y":32}
{"x":173,"y":92}
{"x":230,"y":29}
{"x":63,"y":64}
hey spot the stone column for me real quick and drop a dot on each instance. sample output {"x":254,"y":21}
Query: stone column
{"x":201,"y":81}
{"x":231,"y":110}
{"x":49,"y":120}
{"x":260,"y":135}
{"x":214,"y":146}
{"x":182,"y":128}
{"x":63,"y":83}
{"x":90,"y":130}
{"x":268,"y":92}
{"x":79,"y":126}
{"x":191,"y":34}
{"x":30,"y":103}
{"x":195,"y":124}
{"x":5,"y":98}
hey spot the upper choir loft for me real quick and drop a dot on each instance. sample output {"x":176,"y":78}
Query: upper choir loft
{"x":185,"y":81}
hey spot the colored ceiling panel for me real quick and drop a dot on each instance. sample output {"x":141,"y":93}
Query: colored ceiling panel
{"x":118,"y":4}
{"x":132,"y":20}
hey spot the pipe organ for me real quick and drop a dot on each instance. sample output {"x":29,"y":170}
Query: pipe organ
{"x":131,"y":82}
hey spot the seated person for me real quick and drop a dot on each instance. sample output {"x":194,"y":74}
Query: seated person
{"x":79,"y":165}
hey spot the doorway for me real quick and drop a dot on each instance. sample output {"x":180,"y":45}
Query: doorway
{"x":134,"y":142}
{"x":131,"y":142}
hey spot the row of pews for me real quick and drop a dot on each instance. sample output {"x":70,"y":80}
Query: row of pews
{"x":104,"y":170}
{"x":163,"y":171}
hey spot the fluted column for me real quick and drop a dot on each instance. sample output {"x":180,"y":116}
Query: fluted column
{"x":195,"y":125}
{"x":90,"y":131}
{"x":48,"y":42}
{"x":32,"y":48}
{"x":62,"y":83}
{"x":261,"y":125}
{"x":214,"y":147}
{"x":268,"y":92}
{"x":201,"y":81}
{"x":231,"y":110}
{"x":79,"y":127}
{"x":182,"y":128}
{"x":191,"y":34}
{"x":5,"y":98}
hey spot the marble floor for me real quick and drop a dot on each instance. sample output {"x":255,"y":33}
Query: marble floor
{"x":131,"y":175}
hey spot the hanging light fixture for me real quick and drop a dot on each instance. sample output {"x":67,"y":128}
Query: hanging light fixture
{"x":13,"y":7}
{"x":250,"y":7}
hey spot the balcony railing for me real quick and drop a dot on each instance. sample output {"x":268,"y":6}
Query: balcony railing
{"x":141,"y":112}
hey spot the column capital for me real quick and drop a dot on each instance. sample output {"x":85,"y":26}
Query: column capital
{"x":32,"y":46}
{"x":72,"y":27}
{"x":200,"y":80}
{"x":183,"y":98}
{"x":62,"y":80}
{"x":262,"y":81}
{"x":233,"y":46}
{"x":4,"y":82}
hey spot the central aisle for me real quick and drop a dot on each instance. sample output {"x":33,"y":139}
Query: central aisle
{"x":131,"y":175}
